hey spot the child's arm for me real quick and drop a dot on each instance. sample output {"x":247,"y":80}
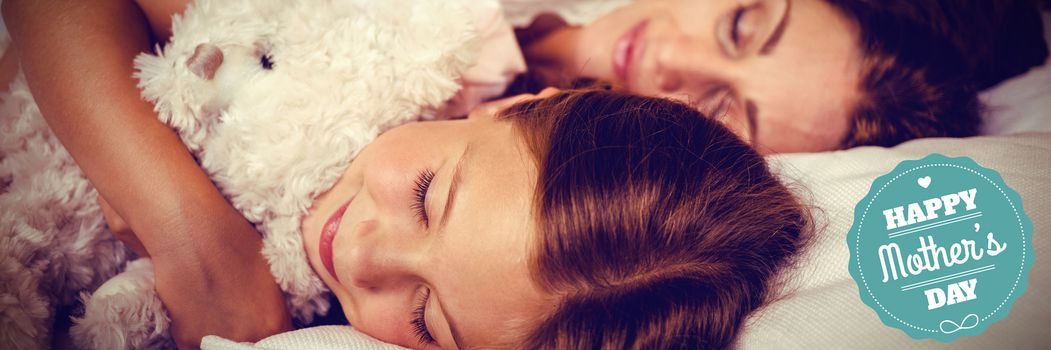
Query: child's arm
{"x":76,"y":56}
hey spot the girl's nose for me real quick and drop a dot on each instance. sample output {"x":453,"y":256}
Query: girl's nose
{"x":373,"y":258}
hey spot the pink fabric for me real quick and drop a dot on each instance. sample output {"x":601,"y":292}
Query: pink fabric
{"x":498,"y":62}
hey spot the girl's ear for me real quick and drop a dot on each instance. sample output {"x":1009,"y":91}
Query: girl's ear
{"x":492,"y":108}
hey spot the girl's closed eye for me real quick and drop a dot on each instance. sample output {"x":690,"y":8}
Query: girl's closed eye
{"x":419,"y":318}
{"x":422,"y":185}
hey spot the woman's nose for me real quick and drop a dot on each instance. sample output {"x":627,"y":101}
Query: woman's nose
{"x":375,"y":258}
{"x":682,"y":62}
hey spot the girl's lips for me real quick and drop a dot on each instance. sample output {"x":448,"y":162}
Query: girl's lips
{"x":328,"y":234}
{"x":625,"y":51}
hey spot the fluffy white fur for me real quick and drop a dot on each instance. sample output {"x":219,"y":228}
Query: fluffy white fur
{"x":271,"y":140}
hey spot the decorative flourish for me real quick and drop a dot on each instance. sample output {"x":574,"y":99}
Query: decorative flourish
{"x":950,"y":327}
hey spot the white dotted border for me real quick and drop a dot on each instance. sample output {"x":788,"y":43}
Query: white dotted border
{"x":1021,"y":228}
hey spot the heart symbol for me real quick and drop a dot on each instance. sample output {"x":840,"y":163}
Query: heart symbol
{"x":924,"y":181}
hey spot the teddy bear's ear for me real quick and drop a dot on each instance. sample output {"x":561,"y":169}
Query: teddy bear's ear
{"x":205,"y":60}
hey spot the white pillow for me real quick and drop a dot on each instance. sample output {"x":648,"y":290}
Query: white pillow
{"x":315,"y":338}
{"x":823,"y":308}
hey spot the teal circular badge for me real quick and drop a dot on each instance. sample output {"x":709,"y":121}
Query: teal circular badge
{"x":940,"y":247}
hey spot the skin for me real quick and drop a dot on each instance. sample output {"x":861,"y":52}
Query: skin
{"x":802,"y":82}
{"x":475,"y":267}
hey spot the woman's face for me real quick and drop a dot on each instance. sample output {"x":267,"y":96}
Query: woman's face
{"x":433,"y":242}
{"x":783,"y":74}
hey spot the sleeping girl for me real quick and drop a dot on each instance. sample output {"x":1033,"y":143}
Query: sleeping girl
{"x":572,"y":220}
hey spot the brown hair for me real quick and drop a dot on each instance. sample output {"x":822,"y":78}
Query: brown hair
{"x":657,"y":227}
{"x":926,"y":60}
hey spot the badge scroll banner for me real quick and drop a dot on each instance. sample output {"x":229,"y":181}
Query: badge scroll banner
{"x":940,"y":247}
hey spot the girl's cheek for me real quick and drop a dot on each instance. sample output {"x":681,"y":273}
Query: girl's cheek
{"x":388,"y":327}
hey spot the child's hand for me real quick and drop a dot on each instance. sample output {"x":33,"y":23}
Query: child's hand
{"x":120,"y":229}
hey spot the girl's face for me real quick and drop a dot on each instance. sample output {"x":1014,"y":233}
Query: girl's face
{"x":425,"y":238}
{"x":783,"y":73}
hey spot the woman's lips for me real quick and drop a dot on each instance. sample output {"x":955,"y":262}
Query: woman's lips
{"x":625,"y":51}
{"x":328,"y":234}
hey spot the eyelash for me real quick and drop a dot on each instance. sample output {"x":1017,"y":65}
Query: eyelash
{"x":419,"y":205}
{"x":419,"y":323}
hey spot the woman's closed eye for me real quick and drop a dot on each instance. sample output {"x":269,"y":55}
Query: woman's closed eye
{"x":741,"y":31}
{"x":737,"y":30}
{"x":752,"y":28}
{"x":421,"y":186}
{"x":419,"y":318}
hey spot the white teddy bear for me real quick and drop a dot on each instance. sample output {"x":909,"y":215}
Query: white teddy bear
{"x":273,"y":97}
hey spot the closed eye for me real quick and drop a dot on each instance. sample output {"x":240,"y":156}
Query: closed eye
{"x":419,"y":205}
{"x":419,"y":319}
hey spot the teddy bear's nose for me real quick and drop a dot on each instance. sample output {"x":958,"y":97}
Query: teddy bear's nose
{"x":205,"y":61}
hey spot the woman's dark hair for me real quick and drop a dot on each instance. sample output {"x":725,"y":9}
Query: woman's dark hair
{"x":926,"y":60}
{"x":657,"y":227}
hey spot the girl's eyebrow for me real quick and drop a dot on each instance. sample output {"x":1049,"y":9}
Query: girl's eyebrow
{"x":457,"y":338}
{"x":454,"y":186}
{"x":450,"y":204}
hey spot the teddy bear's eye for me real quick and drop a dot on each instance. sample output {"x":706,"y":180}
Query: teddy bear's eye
{"x":266,"y":62}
